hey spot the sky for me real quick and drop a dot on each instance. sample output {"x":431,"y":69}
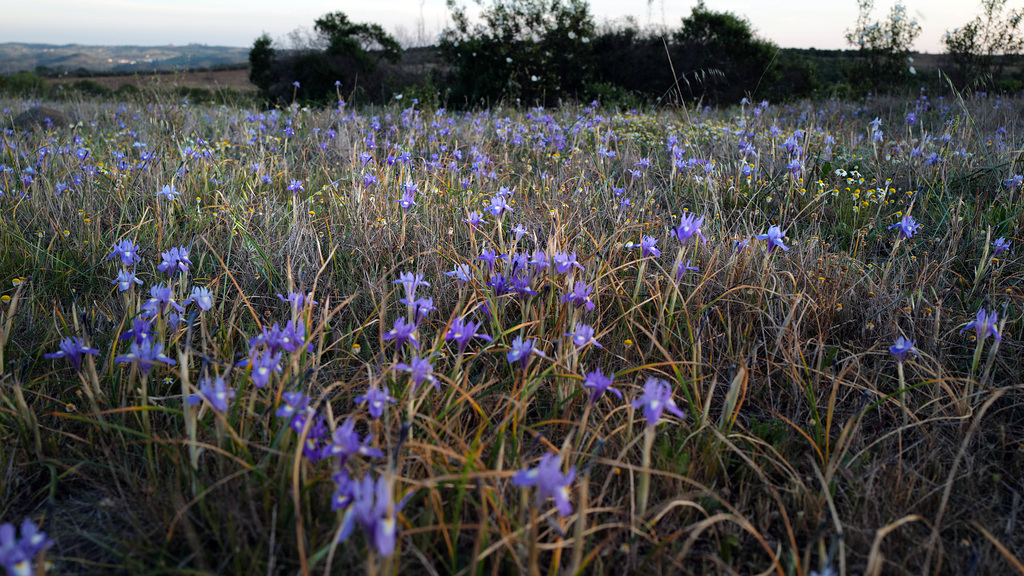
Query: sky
{"x":788,"y":23}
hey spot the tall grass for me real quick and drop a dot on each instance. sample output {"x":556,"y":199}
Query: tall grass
{"x":804,"y":446}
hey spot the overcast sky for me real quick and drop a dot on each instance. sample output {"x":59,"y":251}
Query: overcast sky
{"x":789,"y":23}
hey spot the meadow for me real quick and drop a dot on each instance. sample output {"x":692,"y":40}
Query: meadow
{"x":763,"y":339}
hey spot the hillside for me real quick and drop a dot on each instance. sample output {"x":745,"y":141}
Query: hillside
{"x":77,"y":58}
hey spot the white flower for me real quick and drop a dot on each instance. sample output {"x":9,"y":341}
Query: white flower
{"x":912,"y":71}
{"x":534,"y":78}
{"x":572,"y":35}
{"x":508,"y":59}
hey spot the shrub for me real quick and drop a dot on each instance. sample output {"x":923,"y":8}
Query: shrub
{"x":530,"y":51}
{"x":883,"y":49}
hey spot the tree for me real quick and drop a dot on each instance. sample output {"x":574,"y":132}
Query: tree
{"x":534,"y":51}
{"x":345,"y":38}
{"x":261,"y":60}
{"x":722,"y":58}
{"x":884,"y":47}
{"x":978,"y":51}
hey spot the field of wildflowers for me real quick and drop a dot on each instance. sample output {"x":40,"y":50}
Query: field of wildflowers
{"x":764,"y":339}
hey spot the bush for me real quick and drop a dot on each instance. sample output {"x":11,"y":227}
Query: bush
{"x":883,"y":49}
{"x":24,"y":84}
{"x":529,"y":51}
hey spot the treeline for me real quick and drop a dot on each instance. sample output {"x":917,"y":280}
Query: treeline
{"x":528,"y":52}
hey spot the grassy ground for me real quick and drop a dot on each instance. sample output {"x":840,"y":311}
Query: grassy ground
{"x":800,"y":442}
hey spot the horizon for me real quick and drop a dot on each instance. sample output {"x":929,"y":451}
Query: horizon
{"x":800,"y":24}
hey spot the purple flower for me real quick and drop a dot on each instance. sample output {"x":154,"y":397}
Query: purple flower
{"x":410,"y":282}
{"x":216,"y":392}
{"x":298,"y":300}
{"x":563,"y":262}
{"x":462,"y":332}
{"x":125,"y":279}
{"x":521,"y":352}
{"x":521,"y":284}
{"x":475,"y":219}
{"x":774,"y":238}
{"x":460,"y":272}
{"x":146,"y":355}
{"x":489,"y":257}
{"x":168,"y":192}
{"x":201,"y":296}
{"x":683,"y":269}
{"x":598,"y":384}
{"x":127,"y":251}
{"x":140,"y":331}
{"x":500,"y":284}
{"x":689,"y":225}
{"x":368,"y":504}
{"x":499,"y":205}
{"x":985,"y":325}
{"x":540,"y":261}
{"x":263,"y":364}
{"x":901,"y":348}
{"x":580,"y":295}
{"x":72,"y":348}
{"x":1000,"y":245}
{"x":295,"y":186}
{"x":583,"y":335}
{"x":294,"y":404}
{"x":647,"y":247}
{"x":908,"y":226}
{"x":16,"y":555}
{"x":375,"y":399}
{"x":519,"y":231}
{"x":550,"y":481}
{"x":160,"y":301}
{"x":346,"y":443}
{"x":657,"y":397}
{"x":175,"y":260}
{"x":293,"y":335}
{"x":422,"y":307}
{"x":408,"y":199}
{"x":421,"y":370}
{"x":400,"y":332}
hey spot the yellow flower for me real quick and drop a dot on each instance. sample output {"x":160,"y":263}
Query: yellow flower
{"x":628,"y":342}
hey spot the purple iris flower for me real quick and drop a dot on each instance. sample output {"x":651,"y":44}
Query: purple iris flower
{"x":294,"y":404}
{"x":463,"y":331}
{"x":519,"y":231}
{"x":375,"y":399}
{"x":16,"y":555}
{"x":160,"y":301}
{"x":901,"y":348}
{"x":475,"y":219}
{"x":689,"y":225}
{"x":400,"y":332}
{"x":410,"y":282}
{"x":295,"y":186}
{"x":168,"y":192}
{"x":550,"y":481}
{"x":489,"y":257}
{"x":598,"y":384}
{"x":563,"y":262}
{"x":127,"y":251}
{"x":408,"y":200}
{"x":908,"y":226}
{"x":293,"y":335}
{"x":73,"y":348}
{"x":583,"y":335}
{"x":657,"y":397}
{"x":201,"y":296}
{"x":521,"y":285}
{"x":175,"y":260}
{"x":146,"y":355}
{"x":521,"y":352}
{"x":774,"y":238}
{"x":298,"y":300}
{"x":421,"y":371}
{"x":263,"y":365}
{"x":647,"y":247}
{"x":215,"y":391}
{"x":580,"y":295}
{"x":140,"y":332}
{"x":985,"y":325}
{"x":346,"y":443}
{"x":499,"y":205}
{"x":368,"y":502}
{"x":125,"y":280}
{"x":1000,"y":245}
{"x":500,"y":284}
{"x":540,"y":261}
{"x":422,"y":307}
{"x":460,"y":272}
{"x":683,"y":269}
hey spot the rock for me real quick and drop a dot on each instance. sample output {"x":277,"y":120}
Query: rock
{"x":41,"y":116}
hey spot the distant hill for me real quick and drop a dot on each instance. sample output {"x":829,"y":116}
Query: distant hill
{"x":76,"y":59}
